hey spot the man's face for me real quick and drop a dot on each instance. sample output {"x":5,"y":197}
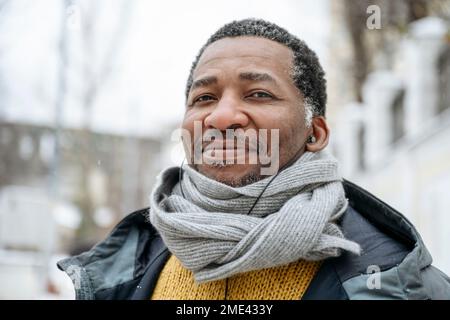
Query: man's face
{"x":246,"y":83}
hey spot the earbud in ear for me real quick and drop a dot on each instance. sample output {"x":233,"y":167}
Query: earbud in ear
{"x":311,"y":139}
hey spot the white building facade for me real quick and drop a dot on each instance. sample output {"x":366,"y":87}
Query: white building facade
{"x":396,"y":143}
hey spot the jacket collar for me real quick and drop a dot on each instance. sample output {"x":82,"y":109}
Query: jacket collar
{"x":388,"y":220}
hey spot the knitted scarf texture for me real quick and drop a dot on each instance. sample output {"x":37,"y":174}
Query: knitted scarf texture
{"x":206,"y":224}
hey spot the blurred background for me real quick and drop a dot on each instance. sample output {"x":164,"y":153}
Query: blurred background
{"x":91,"y":91}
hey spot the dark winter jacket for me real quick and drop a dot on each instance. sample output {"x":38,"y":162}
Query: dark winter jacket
{"x":127,"y":264}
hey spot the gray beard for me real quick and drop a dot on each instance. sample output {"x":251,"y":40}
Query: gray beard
{"x":245,"y":180}
{"x":235,"y":182}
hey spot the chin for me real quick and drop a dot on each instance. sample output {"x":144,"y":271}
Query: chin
{"x":235,"y":175}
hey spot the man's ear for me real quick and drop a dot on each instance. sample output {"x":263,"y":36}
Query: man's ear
{"x":321,"y":133}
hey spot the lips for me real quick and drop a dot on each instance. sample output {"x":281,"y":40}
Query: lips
{"x":224,"y":153}
{"x":228,"y":146}
{"x":230,"y":153}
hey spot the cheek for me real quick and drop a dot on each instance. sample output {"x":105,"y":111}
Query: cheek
{"x":187,"y":127}
{"x":291,"y":136}
{"x":187,"y":132}
{"x":188,"y":121}
{"x":192,"y":129}
{"x":290,"y":125}
{"x":192,"y":117}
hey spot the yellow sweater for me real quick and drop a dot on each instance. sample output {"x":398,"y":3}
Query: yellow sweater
{"x":287,"y":282}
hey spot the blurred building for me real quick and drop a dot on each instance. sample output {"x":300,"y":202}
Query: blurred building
{"x":100,"y":174}
{"x":100,"y":178}
{"x":390,"y":110}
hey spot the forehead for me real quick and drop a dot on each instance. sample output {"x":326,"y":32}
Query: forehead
{"x":246,"y":51}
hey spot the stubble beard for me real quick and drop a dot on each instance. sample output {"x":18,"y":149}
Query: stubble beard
{"x":235,"y":182}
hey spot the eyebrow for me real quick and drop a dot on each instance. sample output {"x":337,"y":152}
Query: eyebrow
{"x":249,"y":76}
{"x":204,"y":82}
{"x":256,"y":76}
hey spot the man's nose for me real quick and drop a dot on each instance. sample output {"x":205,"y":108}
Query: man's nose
{"x":226,"y":114}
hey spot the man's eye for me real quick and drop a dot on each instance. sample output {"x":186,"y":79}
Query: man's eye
{"x":204,"y":98}
{"x":260,"y":94}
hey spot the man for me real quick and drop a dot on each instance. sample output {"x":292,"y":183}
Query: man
{"x":285,"y":226}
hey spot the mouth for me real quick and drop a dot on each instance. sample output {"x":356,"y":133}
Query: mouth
{"x":227,"y":151}
{"x":224,"y":153}
{"x":229,"y":146}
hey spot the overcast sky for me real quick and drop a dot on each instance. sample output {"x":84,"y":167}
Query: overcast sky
{"x":145,"y":92}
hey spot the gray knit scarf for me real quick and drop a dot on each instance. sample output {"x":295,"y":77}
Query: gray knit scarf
{"x":210,"y":232}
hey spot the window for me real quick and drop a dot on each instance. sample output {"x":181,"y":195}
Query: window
{"x":444,"y":81}
{"x":398,"y":117}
